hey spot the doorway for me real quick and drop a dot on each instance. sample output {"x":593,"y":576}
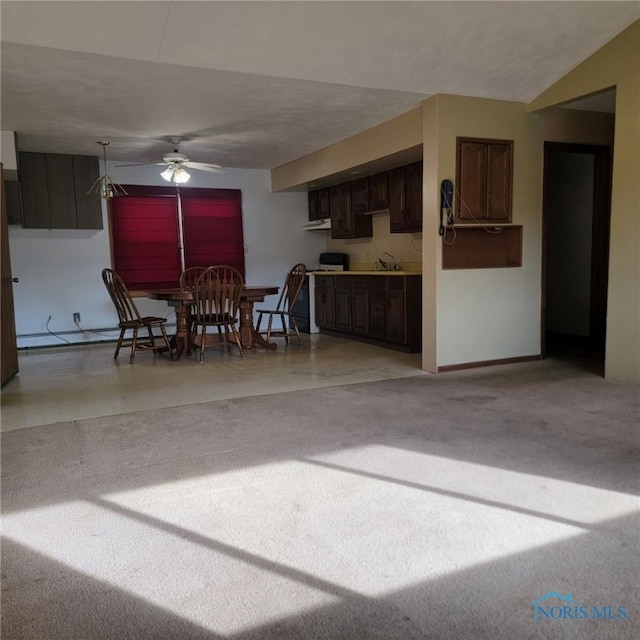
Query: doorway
{"x":575,"y":260}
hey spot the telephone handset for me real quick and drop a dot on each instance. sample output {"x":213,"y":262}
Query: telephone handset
{"x":446,"y":204}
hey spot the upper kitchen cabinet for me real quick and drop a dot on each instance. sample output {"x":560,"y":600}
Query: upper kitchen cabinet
{"x":405,"y":199}
{"x":319,"y":204}
{"x":54,"y":191}
{"x":370,"y":194}
{"x":344,"y":222}
{"x":484,"y":180}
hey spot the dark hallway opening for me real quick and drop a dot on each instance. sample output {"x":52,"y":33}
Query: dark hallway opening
{"x":577,"y":195}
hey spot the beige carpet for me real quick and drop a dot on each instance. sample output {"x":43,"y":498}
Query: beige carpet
{"x":432,"y":507}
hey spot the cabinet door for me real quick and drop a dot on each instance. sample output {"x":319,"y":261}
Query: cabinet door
{"x":484,"y":176}
{"x":343,"y":305}
{"x":314,"y":205}
{"x":340,"y":208}
{"x":413,"y":198}
{"x":396,"y":317}
{"x":499,"y":169}
{"x":35,"y":198}
{"x":471,"y":194}
{"x":323,"y":204}
{"x":379,"y":191}
{"x":360,"y":195}
{"x":61,"y":190}
{"x":54,"y":191}
{"x":86,"y":171}
{"x":360,"y":308}
{"x":396,"y":200}
{"x":325,"y":307}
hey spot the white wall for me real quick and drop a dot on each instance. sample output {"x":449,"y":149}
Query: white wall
{"x":59,"y":270}
{"x":484,"y":315}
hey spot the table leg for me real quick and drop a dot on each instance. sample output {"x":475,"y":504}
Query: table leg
{"x":249,"y":337}
{"x":182,"y":330}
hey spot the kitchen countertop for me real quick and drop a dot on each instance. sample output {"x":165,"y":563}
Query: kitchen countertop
{"x":367,"y":273}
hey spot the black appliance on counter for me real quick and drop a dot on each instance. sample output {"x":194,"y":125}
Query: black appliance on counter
{"x":333,"y":261}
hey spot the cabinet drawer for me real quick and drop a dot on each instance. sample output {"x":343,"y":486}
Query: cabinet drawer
{"x":395,"y":283}
{"x":325,"y":281}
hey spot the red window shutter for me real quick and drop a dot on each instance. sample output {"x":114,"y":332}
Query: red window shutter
{"x":145,"y":241}
{"x":212,"y":228}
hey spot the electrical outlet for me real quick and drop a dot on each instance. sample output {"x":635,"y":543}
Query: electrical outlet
{"x":76,"y":317}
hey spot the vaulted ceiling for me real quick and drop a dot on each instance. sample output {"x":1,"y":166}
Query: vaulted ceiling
{"x":258,"y":84}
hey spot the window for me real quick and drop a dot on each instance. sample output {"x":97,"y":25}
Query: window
{"x":158,"y":231}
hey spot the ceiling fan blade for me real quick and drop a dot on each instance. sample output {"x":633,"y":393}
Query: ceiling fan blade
{"x":141,"y":164}
{"x":201,"y":166}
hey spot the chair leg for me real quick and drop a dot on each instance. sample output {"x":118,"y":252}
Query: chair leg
{"x":166,"y":340}
{"x":120,"y":339}
{"x":152,"y":339}
{"x":258,"y":323}
{"x":294,"y":326}
{"x":269,"y":327}
{"x":203,"y":341}
{"x":285,"y":328}
{"x":237,"y":339}
{"x":134,"y":340}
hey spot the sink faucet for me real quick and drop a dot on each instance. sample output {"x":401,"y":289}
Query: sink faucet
{"x":388,"y":266}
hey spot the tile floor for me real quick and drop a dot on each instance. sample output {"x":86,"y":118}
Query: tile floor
{"x":72,"y":383}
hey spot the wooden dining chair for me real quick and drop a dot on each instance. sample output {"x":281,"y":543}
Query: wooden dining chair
{"x":216,"y":305}
{"x":129,"y":319}
{"x":189,"y":276}
{"x":290,"y":292}
{"x":188,"y":280}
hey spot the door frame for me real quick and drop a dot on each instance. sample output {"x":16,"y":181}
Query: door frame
{"x":8,"y":340}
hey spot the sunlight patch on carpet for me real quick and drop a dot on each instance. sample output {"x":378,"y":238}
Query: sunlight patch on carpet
{"x":298,"y":535}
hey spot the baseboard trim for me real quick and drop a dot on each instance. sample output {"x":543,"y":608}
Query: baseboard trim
{"x":488,"y":363}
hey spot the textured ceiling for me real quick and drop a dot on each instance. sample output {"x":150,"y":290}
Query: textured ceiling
{"x":258,"y":84}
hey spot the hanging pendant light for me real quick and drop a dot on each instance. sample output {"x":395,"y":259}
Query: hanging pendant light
{"x":104,"y":186}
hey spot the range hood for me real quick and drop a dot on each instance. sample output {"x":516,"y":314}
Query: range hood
{"x":318,"y":225}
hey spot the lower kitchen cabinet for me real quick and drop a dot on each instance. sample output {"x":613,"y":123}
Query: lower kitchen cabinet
{"x":382,"y":309}
{"x":325,"y":302}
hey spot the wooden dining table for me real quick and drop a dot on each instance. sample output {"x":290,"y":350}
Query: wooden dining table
{"x":183,"y":299}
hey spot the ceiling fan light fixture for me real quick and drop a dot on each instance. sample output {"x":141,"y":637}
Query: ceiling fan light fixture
{"x":175,"y":173}
{"x":167,"y":174}
{"x":180,"y":176}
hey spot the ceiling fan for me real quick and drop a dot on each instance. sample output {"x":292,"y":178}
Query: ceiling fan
{"x":176,"y":163}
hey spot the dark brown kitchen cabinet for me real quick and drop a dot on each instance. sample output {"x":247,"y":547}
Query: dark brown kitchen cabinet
{"x":383,"y":310}
{"x":360,"y":308}
{"x":378,"y":307}
{"x":344,"y":223}
{"x":343,"y":303}
{"x":379,"y":192}
{"x":319,"y":204}
{"x":54,"y":191}
{"x":396,"y":311}
{"x":484,"y":180}
{"x":370,"y":194}
{"x":325,"y":302}
{"x":405,"y":199}
{"x":360,"y":195}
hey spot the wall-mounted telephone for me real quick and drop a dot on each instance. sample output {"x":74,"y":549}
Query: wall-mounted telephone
{"x":446,"y":204}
